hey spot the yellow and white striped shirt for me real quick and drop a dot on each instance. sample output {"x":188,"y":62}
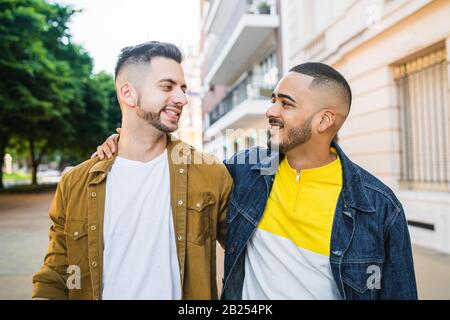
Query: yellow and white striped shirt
{"x":288,"y":256}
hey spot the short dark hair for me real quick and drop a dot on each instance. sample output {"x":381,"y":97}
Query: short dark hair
{"x":325,"y":75}
{"x":143,"y":53}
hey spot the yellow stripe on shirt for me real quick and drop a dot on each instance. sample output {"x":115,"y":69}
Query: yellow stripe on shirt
{"x":303,"y":210}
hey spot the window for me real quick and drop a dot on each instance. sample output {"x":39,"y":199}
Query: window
{"x":425,"y":121}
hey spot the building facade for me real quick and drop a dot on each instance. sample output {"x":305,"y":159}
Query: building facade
{"x":240,"y":68}
{"x":395,"y":54}
{"x":190,"y":125}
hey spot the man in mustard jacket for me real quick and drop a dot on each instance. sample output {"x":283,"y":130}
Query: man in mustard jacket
{"x":144,"y":223}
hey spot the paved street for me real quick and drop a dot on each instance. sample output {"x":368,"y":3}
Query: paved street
{"x":24,"y":224}
{"x":24,"y":227}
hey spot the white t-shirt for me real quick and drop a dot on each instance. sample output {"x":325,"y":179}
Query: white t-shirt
{"x":277,"y":269}
{"x":288,"y":256}
{"x":139,"y":255}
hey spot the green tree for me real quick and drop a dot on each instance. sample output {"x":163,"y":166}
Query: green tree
{"x":48,"y":95}
{"x":22,"y":56}
{"x":35,"y":87}
{"x":96,"y":119}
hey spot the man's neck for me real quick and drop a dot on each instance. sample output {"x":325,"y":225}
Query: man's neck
{"x":141,"y":145}
{"x":310,"y":155}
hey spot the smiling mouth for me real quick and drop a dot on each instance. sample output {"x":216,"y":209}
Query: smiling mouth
{"x":276,"y":127}
{"x":172,"y":113}
{"x":275,"y":124}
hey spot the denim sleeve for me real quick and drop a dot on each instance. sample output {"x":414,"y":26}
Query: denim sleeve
{"x":398,"y":280}
{"x":230,"y":164}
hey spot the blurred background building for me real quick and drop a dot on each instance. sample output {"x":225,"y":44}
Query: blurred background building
{"x":190,"y":124}
{"x":240,"y":60}
{"x":395,"y":55}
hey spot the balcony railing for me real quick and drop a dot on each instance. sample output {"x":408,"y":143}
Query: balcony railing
{"x":245,"y":89}
{"x":243,"y":7}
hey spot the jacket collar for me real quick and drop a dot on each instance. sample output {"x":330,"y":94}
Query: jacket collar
{"x":173,"y":145}
{"x":353,"y":191}
{"x":269,"y":161}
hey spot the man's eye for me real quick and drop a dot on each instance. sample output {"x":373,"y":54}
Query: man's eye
{"x":284,"y":103}
{"x":167,"y":88}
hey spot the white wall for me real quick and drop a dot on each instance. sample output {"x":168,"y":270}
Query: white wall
{"x":371,"y":135}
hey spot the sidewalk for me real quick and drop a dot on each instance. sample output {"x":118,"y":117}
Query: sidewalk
{"x":432,"y":273}
{"x":24,"y":226}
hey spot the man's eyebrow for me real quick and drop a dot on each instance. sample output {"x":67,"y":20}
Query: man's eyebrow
{"x":171,"y":81}
{"x":285,"y":96}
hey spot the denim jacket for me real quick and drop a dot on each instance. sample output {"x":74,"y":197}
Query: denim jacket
{"x":370,"y":248}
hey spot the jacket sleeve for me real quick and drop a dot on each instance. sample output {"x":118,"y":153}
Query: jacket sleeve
{"x":50,"y":281}
{"x":398,"y":280}
{"x":225,"y":193}
{"x":230,"y":164}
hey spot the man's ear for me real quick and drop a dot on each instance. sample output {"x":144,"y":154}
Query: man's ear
{"x":328,"y":119}
{"x":128,"y":94}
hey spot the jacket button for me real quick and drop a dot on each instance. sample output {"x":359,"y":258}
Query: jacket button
{"x":93,"y":228}
{"x":181,"y":170}
{"x":76,"y":233}
{"x":198,"y":205}
{"x":337,"y":253}
{"x":93,"y":194}
{"x":348,"y":214}
{"x":180,"y":238}
{"x":180,"y":202}
{"x":94,"y":264}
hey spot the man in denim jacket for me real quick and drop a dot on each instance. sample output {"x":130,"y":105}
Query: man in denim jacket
{"x":304,"y":221}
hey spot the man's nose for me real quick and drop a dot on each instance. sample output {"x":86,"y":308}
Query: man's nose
{"x":180,"y":98}
{"x":273,"y":111}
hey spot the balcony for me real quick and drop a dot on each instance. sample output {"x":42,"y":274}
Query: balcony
{"x":248,"y":34}
{"x":242,"y":108}
{"x":215,"y":22}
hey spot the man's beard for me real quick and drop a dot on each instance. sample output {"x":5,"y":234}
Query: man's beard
{"x":295,"y":137}
{"x":154,"y":119}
